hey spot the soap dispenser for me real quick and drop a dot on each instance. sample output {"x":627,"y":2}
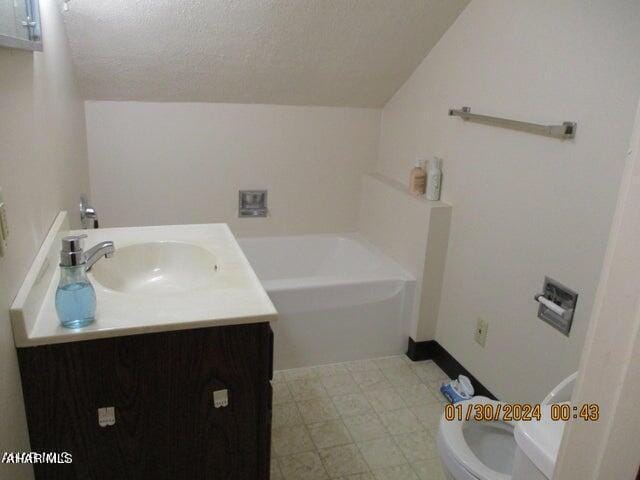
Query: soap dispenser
{"x":75,"y":297}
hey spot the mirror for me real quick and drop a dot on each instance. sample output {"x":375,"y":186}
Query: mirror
{"x":20,"y":24}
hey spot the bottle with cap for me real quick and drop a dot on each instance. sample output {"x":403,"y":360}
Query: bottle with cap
{"x":75,"y":297}
{"x":418,"y":179}
{"x":434,"y":179}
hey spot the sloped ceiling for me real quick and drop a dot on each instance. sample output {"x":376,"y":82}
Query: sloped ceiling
{"x":291,"y":52}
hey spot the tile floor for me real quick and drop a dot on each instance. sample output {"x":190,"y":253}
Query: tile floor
{"x":364,"y":420}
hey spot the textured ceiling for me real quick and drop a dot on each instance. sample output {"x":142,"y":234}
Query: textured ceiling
{"x":299,"y":52}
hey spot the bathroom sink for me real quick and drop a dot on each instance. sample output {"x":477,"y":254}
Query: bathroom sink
{"x":160,"y":278}
{"x":157,"y":268}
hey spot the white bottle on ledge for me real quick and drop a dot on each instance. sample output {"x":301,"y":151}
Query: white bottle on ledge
{"x":434,"y":179}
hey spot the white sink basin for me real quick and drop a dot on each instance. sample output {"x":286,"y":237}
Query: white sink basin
{"x":157,"y":268}
{"x":164,"y":278}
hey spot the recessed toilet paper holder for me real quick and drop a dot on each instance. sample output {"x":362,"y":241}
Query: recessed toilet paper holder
{"x":252,"y":203}
{"x":557,"y":305}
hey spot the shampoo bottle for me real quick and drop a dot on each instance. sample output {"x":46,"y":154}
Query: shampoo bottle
{"x":434,"y":179}
{"x":418,"y":179}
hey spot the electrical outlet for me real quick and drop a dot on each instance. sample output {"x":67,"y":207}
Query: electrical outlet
{"x":481,"y":332}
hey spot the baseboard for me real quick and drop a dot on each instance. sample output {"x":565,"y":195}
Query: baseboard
{"x":432,"y":350}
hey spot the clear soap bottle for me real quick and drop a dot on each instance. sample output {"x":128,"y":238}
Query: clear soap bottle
{"x":75,"y":297}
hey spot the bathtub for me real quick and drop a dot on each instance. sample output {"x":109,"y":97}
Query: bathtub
{"x":337,"y":296}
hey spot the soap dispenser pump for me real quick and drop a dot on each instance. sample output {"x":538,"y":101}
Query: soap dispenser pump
{"x":75,"y":297}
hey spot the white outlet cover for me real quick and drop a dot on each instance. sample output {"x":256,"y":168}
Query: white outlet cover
{"x":481,"y":332}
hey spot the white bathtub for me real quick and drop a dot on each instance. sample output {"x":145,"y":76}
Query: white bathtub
{"x":338,"y":298}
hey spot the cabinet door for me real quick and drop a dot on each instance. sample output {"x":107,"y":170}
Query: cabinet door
{"x":65,"y":385}
{"x":224,"y":443}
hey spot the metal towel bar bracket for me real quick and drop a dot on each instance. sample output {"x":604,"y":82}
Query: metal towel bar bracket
{"x":564,"y":131}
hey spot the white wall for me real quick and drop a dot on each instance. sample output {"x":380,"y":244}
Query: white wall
{"x":43,"y":169}
{"x":414,"y":232}
{"x":524,"y":206}
{"x":154,"y":163}
{"x":609,"y":368}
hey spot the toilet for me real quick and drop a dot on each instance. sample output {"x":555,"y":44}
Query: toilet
{"x":473,"y":450}
{"x":501,"y":450}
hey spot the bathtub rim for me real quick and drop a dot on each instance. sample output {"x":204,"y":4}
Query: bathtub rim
{"x":392,"y":269}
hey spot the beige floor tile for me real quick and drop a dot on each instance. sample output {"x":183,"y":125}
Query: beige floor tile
{"x":359,"y":476}
{"x":317,"y":410}
{"x":303,"y":466}
{"x":361,"y":365}
{"x":434,"y":386}
{"x":416,"y":394}
{"x":428,"y":415}
{"x":383,"y":400}
{"x":276,"y":474}
{"x":340,"y":384}
{"x":371,"y":380}
{"x":329,"y":434}
{"x":428,"y":371}
{"x":401,"y":472}
{"x":365,"y":427}
{"x":400,"y":421}
{"x":278,"y":377}
{"x":381,"y":453}
{"x":417,"y":446}
{"x":429,"y":469}
{"x":285,"y":415}
{"x":401,"y":375}
{"x":352,"y":404}
{"x":307,"y":389}
{"x":300,"y":373}
{"x":281,"y":393}
{"x":289,"y":440}
{"x":390,"y":407}
{"x":332,"y":369}
{"x":391,"y":362}
{"x":343,"y":460}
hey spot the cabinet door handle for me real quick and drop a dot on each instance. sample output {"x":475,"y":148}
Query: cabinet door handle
{"x":106,"y":416}
{"x":220,"y":398}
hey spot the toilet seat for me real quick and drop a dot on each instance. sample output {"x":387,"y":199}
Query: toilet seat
{"x":454,"y":447}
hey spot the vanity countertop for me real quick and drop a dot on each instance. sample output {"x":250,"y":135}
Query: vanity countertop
{"x":230,"y":295}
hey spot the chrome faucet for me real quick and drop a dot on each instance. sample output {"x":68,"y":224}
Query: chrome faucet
{"x":95,"y":253}
{"x":88,"y":214}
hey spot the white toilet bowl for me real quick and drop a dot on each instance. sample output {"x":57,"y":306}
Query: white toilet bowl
{"x":472,"y":450}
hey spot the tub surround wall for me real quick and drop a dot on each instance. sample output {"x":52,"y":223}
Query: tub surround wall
{"x":154,"y":164}
{"x":43,"y":169}
{"x":525,"y":206}
{"x":415,"y":233}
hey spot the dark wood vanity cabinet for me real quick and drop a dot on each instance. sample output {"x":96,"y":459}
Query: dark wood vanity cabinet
{"x":161,"y":386}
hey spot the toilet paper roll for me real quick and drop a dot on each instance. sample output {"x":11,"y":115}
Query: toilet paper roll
{"x":555,"y":308}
